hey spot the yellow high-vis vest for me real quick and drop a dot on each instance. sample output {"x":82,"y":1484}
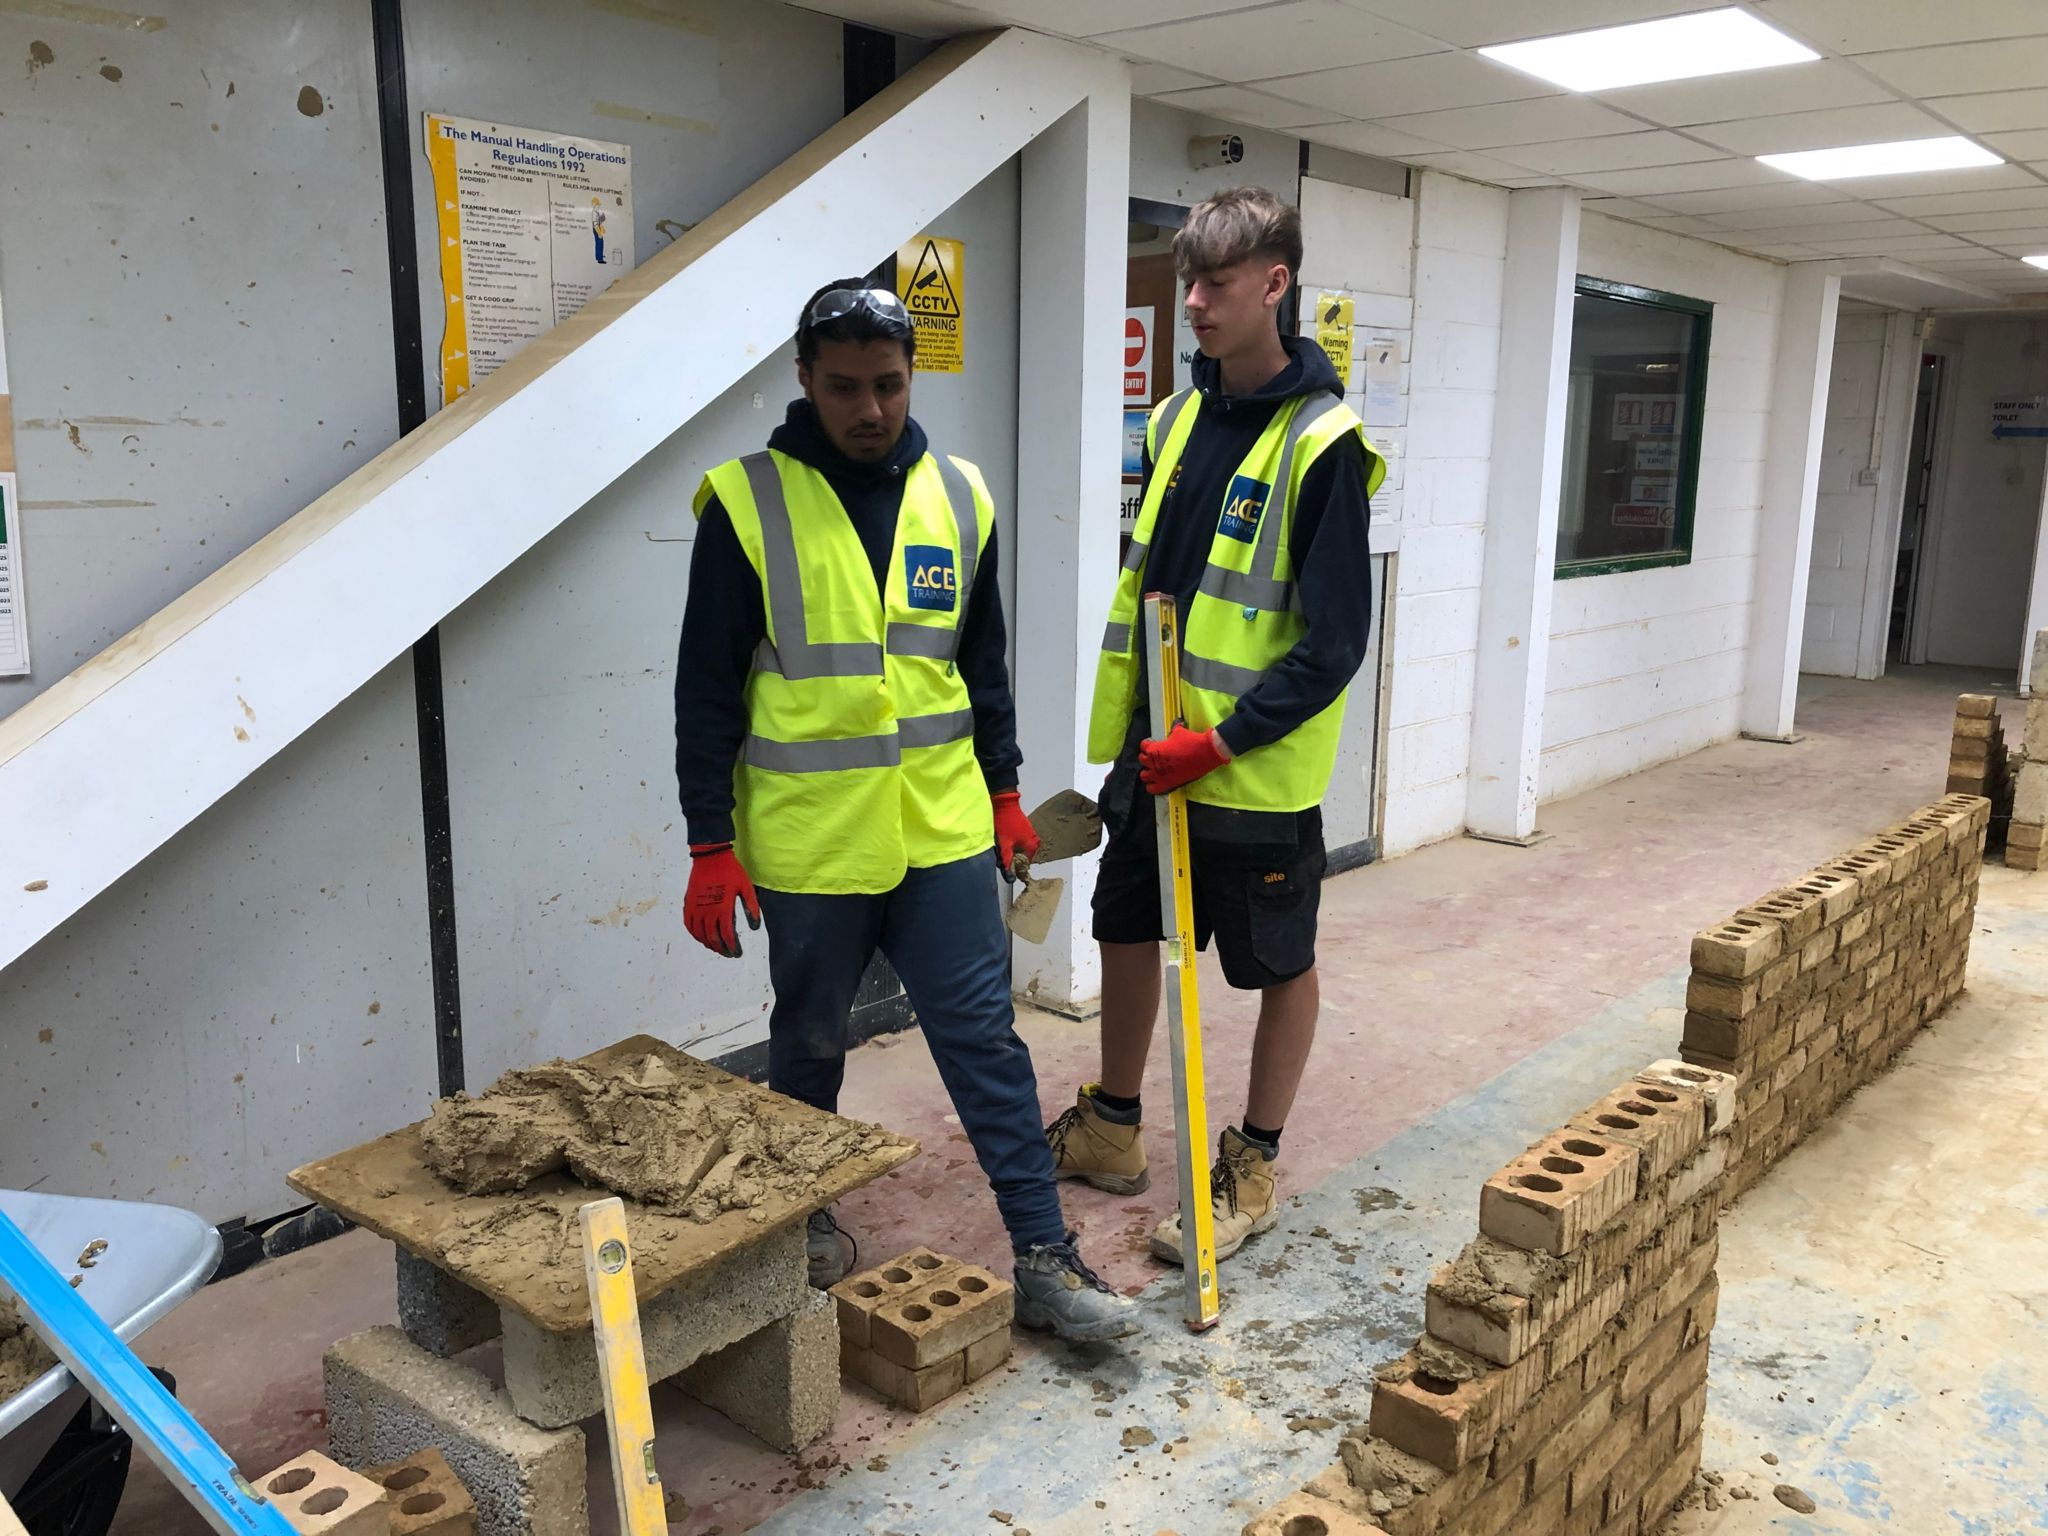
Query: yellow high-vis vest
{"x":1245,"y":615}
{"x":859,"y":759}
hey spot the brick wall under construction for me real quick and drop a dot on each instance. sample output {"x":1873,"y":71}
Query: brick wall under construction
{"x":1562,"y":1379}
{"x":1809,"y":992}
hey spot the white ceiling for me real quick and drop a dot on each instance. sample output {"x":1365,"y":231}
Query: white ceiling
{"x":1399,"y":79}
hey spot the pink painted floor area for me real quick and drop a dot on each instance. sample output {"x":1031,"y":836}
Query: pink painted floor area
{"x":1440,"y":970}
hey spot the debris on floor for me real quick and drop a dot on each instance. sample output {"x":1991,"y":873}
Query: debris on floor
{"x":23,"y":1354}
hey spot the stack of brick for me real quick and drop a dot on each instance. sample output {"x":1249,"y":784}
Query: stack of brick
{"x":1562,"y":1379}
{"x":920,"y":1327}
{"x":1977,"y":760}
{"x":1808,"y":993}
{"x":2025,"y":836}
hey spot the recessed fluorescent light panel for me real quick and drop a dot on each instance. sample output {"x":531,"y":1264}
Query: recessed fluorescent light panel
{"x":2036,"y":261}
{"x":1853,"y":160}
{"x":1641,"y":53}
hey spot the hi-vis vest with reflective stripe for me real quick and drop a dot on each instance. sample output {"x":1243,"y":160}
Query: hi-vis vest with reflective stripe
{"x":859,"y":760}
{"x":1245,"y":615}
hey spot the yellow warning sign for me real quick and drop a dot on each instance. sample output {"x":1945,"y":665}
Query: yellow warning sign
{"x":1333,"y":331}
{"x":931,"y":276}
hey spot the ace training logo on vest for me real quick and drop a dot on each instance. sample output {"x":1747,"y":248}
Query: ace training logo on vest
{"x":1241,"y":509}
{"x":929,"y":570}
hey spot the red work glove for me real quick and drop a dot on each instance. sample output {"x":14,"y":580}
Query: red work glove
{"x":716,"y":878}
{"x":1182,"y":758}
{"x":1014,"y":832}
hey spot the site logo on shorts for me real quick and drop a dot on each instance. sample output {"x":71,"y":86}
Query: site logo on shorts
{"x":928,"y":568}
{"x":1241,"y":508}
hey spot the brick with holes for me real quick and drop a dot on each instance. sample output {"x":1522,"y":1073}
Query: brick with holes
{"x":859,"y":1296}
{"x":1738,"y":948}
{"x":942,"y":1318}
{"x":1558,"y":1193}
{"x":1661,"y":1123}
{"x":319,"y":1497}
{"x":424,"y":1496}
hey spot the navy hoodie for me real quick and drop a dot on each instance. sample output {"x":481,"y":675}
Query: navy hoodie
{"x":1332,"y":557}
{"x":724,"y":622}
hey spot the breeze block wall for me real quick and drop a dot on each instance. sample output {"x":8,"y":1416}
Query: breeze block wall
{"x":1809,"y":992}
{"x":1562,"y":1378}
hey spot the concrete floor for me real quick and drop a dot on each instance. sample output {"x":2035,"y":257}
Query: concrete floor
{"x":1441,"y":972}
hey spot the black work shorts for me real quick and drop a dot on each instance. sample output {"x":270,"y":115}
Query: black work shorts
{"x":1258,"y":882}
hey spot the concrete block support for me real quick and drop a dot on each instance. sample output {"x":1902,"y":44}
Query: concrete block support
{"x":553,"y":1377}
{"x":388,"y":1398}
{"x":780,"y":1384}
{"x":438,"y":1312}
{"x":1521,"y":515}
{"x":1076,"y":186}
{"x":1799,"y":403}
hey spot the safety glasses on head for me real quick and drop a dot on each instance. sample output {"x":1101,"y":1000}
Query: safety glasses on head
{"x":878,"y":304}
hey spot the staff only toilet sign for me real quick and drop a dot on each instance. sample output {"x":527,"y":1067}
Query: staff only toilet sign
{"x":931,"y":277}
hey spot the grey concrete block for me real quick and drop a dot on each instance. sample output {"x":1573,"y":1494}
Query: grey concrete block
{"x":438,"y":1312}
{"x":781,"y":1384}
{"x":387,"y":1398}
{"x":553,"y":1377}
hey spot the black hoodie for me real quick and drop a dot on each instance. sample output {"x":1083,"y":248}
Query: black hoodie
{"x":1332,"y":559}
{"x":724,"y":622}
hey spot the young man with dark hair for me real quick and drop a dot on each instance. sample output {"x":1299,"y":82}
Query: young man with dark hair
{"x":845,"y":735}
{"x":1253,"y":517}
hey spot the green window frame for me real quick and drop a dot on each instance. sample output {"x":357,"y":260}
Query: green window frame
{"x":1701,"y":312}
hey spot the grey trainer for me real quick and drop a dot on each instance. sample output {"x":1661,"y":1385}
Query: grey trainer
{"x":824,"y":1257}
{"x":1056,"y":1291}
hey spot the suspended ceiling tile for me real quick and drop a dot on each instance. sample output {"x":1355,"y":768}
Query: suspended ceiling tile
{"x":1158,"y":79}
{"x":1436,"y":81}
{"x":1894,"y":245}
{"x":1515,"y":122}
{"x":2017,"y":248}
{"x":1751,"y":93}
{"x":1809,"y":214}
{"x":1882,"y":229}
{"x":1279,"y":40}
{"x":1235,"y":104}
{"x":1705,"y":175}
{"x":1622,"y":208}
{"x":1879,"y":123}
{"x":2027,"y":144}
{"x":1777,"y":252}
{"x":2015,"y":63}
{"x":1472,"y":23}
{"x":1987,"y":178}
{"x":1614,"y":152}
{"x":1994,"y":111}
{"x":1466,"y":163}
{"x":1372,"y":139}
{"x":1862,"y":26}
{"x":1091,"y":18}
{"x":2034,"y":195}
{"x":1972,"y":224}
{"x":1735,"y":199}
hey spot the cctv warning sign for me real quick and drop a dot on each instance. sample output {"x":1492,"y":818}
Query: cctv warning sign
{"x":931,"y":277}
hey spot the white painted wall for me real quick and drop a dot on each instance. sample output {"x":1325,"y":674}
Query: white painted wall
{"x":1460,"y":262}
{"x":1861,"y":481}
{"x":1649,"y":665}
{"x":1361,"y":244}
{"x":190,"y":369}
{"x":1160,"y":172}
{"x":1989,"y":513}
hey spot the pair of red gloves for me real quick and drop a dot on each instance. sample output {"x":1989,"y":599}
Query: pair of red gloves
{"x":718,"y":879}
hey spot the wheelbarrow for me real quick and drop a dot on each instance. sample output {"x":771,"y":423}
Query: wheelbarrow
{"x":62,"y":1462}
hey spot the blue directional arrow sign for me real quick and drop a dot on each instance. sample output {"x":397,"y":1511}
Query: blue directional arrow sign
{"x":2005,"y":431}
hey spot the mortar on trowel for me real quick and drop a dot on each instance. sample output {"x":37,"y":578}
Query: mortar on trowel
{"x":1068,"y":825}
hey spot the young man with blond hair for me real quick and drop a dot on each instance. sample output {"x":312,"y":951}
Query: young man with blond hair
{"x":1253,"y":518}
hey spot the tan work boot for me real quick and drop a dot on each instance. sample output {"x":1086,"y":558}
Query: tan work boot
{"x":1107,"y":1154}
{"x":1241,"y":1195}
